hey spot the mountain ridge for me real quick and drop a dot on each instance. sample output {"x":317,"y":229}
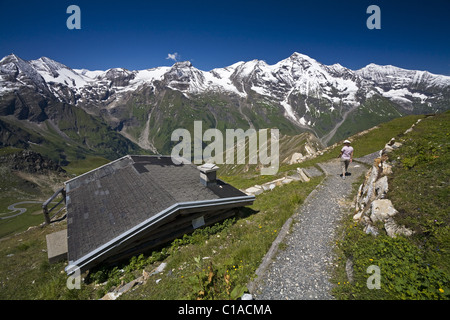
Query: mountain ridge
{"x":296,"y":94}
{"x":185,"y":71}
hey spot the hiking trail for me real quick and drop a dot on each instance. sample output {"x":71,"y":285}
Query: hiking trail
{"x":301,"y":270}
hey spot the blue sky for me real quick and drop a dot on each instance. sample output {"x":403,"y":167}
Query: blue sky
{"x":140,"y":34}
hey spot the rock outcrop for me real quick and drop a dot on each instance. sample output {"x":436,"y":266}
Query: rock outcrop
{"x":30,"y":162}
{"x":303,"y":175}
{"x":372,"y":204}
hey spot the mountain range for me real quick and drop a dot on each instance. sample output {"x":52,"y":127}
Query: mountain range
{"x":65,"y":113}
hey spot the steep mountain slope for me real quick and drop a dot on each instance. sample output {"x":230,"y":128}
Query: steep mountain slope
{"x":295,"y":95}
{"x":32,"y":117}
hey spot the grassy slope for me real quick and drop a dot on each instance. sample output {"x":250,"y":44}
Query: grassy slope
{"x":214,"y":110}
{"x":234,"y":248}
{"x":19,"y":186}
{"x":417,"y":267}
{"x":372,"y":112}
{"x":365,"y":143}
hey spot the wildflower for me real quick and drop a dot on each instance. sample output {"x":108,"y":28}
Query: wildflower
{"x":441,"y":290}
{"x":370,"y":260}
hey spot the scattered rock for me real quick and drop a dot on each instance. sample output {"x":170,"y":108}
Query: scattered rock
{"x":349,"y":269}
{"x":386,"y":168}
{"x":381,"y":210}
{"x":145,"y":276}
{"x":247,"y":296}
{"x":160,"y":268}
{"x":368,"y":190}
{"x":369,"y":229}
{"x":30,"y":162}
{"x":110,"y":296}
{"x":296,"y":158}
{"x":371,"y":202}
{"x":302,"y":175}
{"x":268,"y":186}
{"x":381,"y":187}
{"x":254,"y":190}
{"x":392,"y":229}
{"x":358,"y":216}
{"x":258,"y":189}
{"x":125,"y":287}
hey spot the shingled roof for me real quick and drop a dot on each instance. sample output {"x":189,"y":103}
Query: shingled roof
{"x":138,"y":201}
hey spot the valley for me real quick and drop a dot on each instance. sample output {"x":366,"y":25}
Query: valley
{"x":57,"y":122}
{"x":65,"y":113}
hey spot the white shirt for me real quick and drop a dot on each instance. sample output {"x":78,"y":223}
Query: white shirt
{"x":347,"y":152}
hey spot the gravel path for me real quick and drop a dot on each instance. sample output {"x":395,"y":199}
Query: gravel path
{"x":301,"y":270}
{"x":13,"y":209}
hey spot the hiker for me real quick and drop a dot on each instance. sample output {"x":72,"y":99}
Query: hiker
{"x":346,"y":156}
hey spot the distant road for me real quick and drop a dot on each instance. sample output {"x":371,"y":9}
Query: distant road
{"x":13,"y":208}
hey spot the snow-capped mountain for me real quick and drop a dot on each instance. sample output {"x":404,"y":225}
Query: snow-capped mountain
{"x":295,"y":94}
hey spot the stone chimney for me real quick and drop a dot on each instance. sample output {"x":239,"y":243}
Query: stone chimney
{"x":208,"y":174}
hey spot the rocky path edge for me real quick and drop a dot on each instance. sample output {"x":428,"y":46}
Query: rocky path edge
{"x":265,"y":282}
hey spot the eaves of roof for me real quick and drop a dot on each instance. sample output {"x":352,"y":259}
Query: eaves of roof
{"x":85,"y":261}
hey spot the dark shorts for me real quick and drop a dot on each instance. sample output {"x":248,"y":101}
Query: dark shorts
{"x":345,"y":163}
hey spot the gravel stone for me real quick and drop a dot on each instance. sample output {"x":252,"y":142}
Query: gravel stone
{"x":302,"y":270}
